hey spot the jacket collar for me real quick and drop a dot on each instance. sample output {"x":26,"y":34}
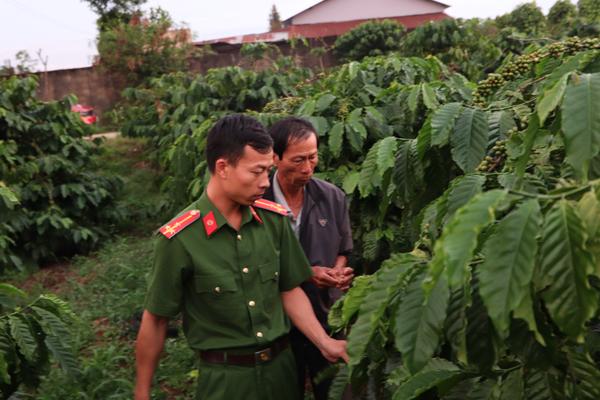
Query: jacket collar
{"x":311,"y":195}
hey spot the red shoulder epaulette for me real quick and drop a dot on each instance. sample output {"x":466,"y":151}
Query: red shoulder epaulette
{"x":178,"y":224}
{"x":270,"y":206}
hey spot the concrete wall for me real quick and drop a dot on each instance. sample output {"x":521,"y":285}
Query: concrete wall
{"x":91,"y":86}
{"x":229,"y":54}
{"x":94,"y":88}
{"x":350,"y":10}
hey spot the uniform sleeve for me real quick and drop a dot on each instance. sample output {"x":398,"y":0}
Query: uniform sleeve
{"x":294,"y":266}
{"x":346,"y":244}
{"x":165,"y":288}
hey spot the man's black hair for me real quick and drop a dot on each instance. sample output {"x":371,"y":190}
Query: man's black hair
{"x":229,"y":135}
{"x":290,"y":130}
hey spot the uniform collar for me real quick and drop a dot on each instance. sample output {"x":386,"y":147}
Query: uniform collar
{"x":213,"y":220}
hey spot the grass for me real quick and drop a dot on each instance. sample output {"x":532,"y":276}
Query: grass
{"x":106,"y":291}
{"x":131,"y":159}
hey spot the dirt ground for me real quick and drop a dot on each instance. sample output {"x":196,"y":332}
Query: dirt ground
{"x":106,"y":135}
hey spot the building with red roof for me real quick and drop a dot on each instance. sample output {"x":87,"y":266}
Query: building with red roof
{"x":332,"y":18}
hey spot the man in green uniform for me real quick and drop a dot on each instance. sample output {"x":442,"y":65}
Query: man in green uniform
{"x":231,"y":265}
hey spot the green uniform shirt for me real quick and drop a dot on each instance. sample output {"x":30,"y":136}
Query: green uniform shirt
{"x":227,"y":284}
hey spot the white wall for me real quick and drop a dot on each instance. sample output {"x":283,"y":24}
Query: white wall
{"x":350,"y":10}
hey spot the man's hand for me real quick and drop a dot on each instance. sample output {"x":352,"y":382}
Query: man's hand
{"x":333,"y":350}
{"x":344,"y":276}
{"x":324,"y":277}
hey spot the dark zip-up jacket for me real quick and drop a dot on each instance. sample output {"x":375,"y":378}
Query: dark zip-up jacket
{"x":324,"y":234}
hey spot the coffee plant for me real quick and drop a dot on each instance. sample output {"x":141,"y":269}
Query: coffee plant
{"x":527,"y":18}
{"x":475,"y":205}
{"x":176,"y":111}
{"x":372,"y":38}
{"x":561,"y":16}
{"x":498,"y":298}
{"x":31,"y":336}
{"x":350,"y":109}
{"x":589,"y":10}
{"x":51,"y":204}
{"x":463,"y":45}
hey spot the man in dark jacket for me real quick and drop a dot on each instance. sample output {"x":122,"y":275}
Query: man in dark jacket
{"x":318,"y":213}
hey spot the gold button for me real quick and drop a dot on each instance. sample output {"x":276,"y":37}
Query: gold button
{"x":218,"y":289}
{"x":259,"y":334}
{"x":264,"y":357}
{"x":239,"y":237}
{"x":251,"y":303}
{"x":245,"y":270}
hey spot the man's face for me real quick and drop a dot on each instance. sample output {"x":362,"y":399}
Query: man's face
{"x":248,"y":179}
{"x":298,"y":162}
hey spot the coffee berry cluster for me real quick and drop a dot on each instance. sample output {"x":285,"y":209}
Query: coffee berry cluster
{"x":524,"y":64}
{"x":495,"y":159}
{"x":343,"y":110}
{"x":285,"y":105}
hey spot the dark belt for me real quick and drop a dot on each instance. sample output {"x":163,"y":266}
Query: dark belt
{"x":253,"y":358}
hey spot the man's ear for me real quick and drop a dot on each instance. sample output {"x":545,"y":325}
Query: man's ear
{"x":276,"y":159}
{"x":222,"y":168}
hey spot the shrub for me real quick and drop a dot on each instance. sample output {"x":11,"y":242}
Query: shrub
{"x":52,"y":205}
{"x":589,"y":10}
{"x":461,"y":44}
{"x":561,"y":17}
{"x":143,"y":48}
{"x":527,"y":18}
{"x":372,"y":38}
{"x":500,"y":292}
{"x":31,"y":336}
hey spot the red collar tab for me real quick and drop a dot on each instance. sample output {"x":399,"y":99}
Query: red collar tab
{"x":210,"y":223}
{"x":178,"y":224}
{"x":255,"y":215}
{"x":271,"y":206}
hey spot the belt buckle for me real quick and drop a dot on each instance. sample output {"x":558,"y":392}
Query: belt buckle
{"x":263,"y":356}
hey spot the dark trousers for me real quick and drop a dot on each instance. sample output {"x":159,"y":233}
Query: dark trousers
{"x":309,"y":359}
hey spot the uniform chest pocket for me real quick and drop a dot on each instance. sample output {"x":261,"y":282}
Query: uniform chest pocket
{"x":269,"y":277}
{"x":219,"y":297}
{"x":269,"y":271}
{"x":218,"y":285}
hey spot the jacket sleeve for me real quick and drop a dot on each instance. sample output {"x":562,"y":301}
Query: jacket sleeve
{"x":294,"y":265}
{"x":346,"y":244}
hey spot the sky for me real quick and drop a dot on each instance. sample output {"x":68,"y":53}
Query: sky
{"x":63,"y":32}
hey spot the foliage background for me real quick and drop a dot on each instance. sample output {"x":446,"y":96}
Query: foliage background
{"x":53,"y":206}
{"x":472,"y":174}
{"x":440,"y":173}
{"x":372,"y":38}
